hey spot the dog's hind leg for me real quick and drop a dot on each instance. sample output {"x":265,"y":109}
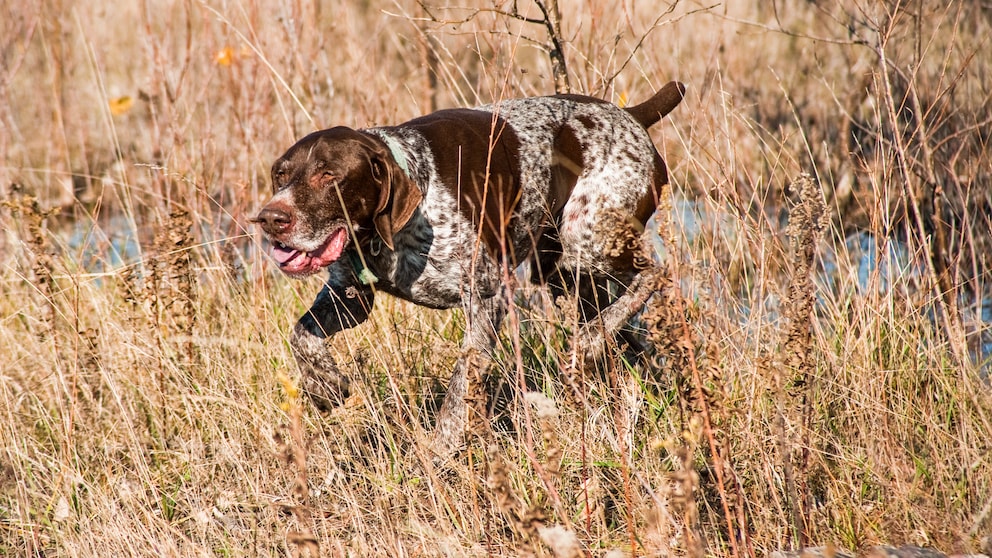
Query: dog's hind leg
{"x":594,"y":334}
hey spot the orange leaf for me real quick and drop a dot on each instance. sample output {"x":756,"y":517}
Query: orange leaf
{"x":121,"y":105}
{"x":224,"y":56}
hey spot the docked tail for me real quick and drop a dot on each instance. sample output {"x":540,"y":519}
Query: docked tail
{"x":654,"y":109}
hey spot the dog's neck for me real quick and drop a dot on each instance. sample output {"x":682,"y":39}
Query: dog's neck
{"x":359,"y":265}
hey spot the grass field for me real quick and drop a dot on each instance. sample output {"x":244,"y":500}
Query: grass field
{"x":820,"y":348}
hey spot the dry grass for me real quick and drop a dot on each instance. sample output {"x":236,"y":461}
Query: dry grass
{"x":147,"y":399}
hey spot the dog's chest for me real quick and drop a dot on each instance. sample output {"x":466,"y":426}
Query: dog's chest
{"x":436,"y":262}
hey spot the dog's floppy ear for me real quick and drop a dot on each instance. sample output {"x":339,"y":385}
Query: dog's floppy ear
{"x":399,"y":197}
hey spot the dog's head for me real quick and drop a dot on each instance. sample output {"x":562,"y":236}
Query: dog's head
{"x":332,"y":188}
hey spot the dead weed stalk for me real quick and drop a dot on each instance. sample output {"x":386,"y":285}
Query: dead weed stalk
{"x":172,"y":279}
{"x":672,"y":330}
{"x":294,"y":451}
{"x":807,"y":221}
{"x":27,"y":210}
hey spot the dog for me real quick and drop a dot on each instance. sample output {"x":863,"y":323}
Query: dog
{"x":440,"y":210}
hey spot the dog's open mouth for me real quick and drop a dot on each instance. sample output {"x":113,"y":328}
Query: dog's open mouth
{"x":297,"y":262}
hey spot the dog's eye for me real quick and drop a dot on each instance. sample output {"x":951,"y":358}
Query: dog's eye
{"x":279,"y":179}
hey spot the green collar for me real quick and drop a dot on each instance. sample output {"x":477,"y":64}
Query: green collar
{"x":364,"y":274}
{"x":397,"y":150}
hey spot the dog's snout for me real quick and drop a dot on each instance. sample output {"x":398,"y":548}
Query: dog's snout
{"x":274,"y":220}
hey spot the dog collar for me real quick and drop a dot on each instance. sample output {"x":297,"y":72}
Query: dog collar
{"x":364,"y":274}
{"x":397,"y":151}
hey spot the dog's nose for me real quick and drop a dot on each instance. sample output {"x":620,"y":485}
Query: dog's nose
{"x":274,"y":220}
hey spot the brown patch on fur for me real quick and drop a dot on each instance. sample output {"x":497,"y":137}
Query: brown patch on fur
{"x":484,"y":177}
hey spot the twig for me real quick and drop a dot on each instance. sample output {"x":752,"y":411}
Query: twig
{"x":550,"y":20}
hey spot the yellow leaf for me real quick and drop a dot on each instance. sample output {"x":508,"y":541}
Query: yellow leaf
{"x":622,"y":101}
{"x":121,"y":105}
{"x":224,"y":56}
{"x":287,"y":384}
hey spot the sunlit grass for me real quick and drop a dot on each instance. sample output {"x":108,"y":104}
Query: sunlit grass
{"x":147,"y":390}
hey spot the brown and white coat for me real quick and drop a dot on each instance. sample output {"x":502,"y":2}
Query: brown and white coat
{"x":440,"y":210}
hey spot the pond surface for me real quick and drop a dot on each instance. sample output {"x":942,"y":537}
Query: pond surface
{"x":863,"y":262}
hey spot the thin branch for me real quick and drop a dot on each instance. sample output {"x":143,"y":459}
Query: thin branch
{"x":640,"y":42}
{"x":551,"y":23}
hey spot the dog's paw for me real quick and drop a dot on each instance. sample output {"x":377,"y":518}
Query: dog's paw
{"x":447,"y":441}
{"x":449,"y":435}
{"x":593,"y":339}
{"x":326,"y":391}
{"x":321,"y":381}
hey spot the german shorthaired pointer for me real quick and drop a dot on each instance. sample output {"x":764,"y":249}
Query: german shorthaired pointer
{"x":440,"y":210}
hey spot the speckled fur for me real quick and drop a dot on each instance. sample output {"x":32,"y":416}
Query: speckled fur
{"x":579,"y":161}
{"x":432,"y":266}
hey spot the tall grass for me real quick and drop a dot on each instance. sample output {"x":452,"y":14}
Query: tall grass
{"x":798,"y":392}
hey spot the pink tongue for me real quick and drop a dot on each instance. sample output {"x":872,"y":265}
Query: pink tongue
{"x":332,"y":250}
{"x":296,"y":262}
{"x":282,"y":254}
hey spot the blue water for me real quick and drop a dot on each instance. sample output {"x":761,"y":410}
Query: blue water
{"x":103,"y":249}
{"x":863,"y":263}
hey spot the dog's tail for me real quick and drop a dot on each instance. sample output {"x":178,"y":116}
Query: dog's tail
{"x":654,"y":109}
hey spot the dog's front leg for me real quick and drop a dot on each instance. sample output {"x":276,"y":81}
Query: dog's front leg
{"x":483,"y":319}
{"x":344,"y":302}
